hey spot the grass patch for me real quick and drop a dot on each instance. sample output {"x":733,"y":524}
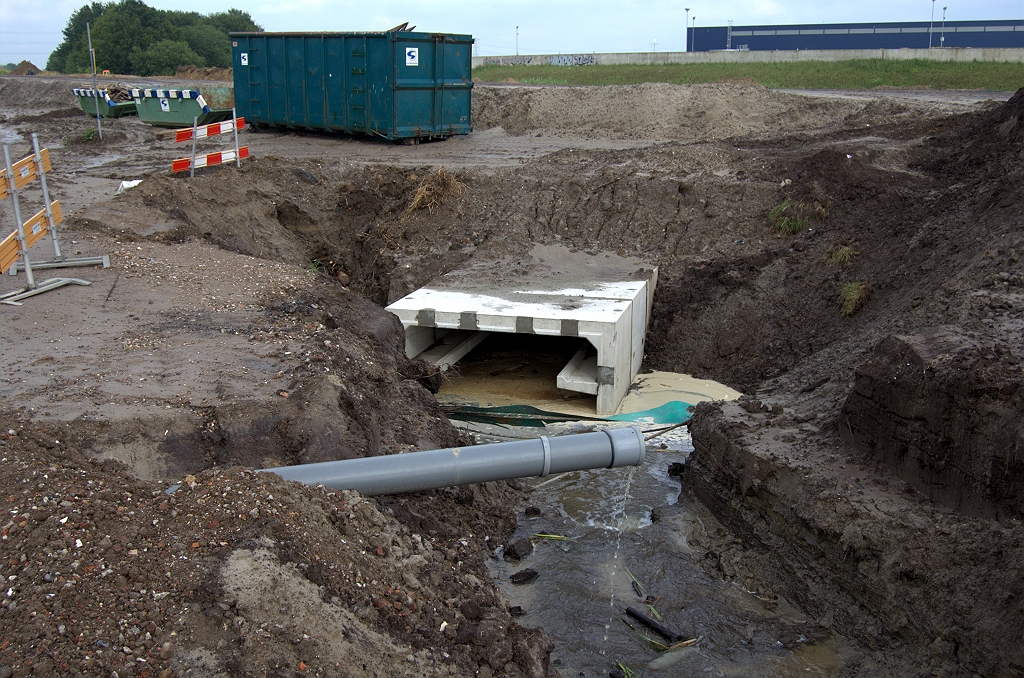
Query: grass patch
{"x":852,"y":74}
{"x":853,"y":297}
{"x":783,"y":221}
{"x":790,"y":217}
{"x":839,"y":255}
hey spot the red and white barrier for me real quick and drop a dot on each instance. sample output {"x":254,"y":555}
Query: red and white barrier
{"x":206,"y":160}
{"x":209,"y":130}
{"x":210,"y":159}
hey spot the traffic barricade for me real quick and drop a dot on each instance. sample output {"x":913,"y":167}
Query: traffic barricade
{"x":205,"y":132}
{"x":13,"y":177}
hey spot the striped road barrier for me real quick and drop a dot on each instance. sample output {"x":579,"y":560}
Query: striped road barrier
{"x":15,"y":176}
{"x":205,"y":132}
{"x":210,"y":159}
{"x":213,"y":129}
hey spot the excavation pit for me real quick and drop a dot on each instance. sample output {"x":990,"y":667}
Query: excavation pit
{"x":601,"y":300}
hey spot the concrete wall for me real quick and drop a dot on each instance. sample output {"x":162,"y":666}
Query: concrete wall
{"x":1014,"y":55}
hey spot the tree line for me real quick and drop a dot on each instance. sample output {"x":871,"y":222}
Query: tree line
{"x":132,"y":38}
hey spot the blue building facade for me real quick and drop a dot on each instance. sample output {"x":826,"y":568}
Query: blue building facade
{"x":913,"y":34}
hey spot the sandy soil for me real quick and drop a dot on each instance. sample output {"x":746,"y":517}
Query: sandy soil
{"x":871,"y":475}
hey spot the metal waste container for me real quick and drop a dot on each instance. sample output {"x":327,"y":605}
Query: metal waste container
{"x":176,"y":108}
{"x":90,"y":100}
{"x":396,"y":84}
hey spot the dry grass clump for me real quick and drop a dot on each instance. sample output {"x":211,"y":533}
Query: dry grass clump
{"x":433,"y":190}
{"x":839,"y":255}
{"x":790,"y":217}
{"x":853,"y":297}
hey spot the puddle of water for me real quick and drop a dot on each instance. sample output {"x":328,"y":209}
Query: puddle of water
{"x":9,"y":136}
{"x":585,"y":584}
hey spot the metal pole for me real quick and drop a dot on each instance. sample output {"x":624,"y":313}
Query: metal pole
{"x":694,"y":32}
{"x":95,"y":92}
{"x":930,"y":24}
{"x":29,"y":278}
{"x":46,"y":198}
{"x":942,"y":39}
{"x":686,"y":31}
{"x":517,"y":40}
{"x":195,"y":132}
{"x":416,"y":471}
{"x":234,"y":127}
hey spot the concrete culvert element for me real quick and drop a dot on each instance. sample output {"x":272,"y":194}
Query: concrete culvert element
{"x":416,"y":471}
{"x":603,"y":299}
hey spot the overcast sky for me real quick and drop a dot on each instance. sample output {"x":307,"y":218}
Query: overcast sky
{"x":31,"y":30}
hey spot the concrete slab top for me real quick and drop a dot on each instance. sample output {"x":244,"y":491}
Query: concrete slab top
{"x":550,"y":282}
{"x":584,"y":305}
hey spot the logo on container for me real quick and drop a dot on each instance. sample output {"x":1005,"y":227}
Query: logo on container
{"x":412,"y":56}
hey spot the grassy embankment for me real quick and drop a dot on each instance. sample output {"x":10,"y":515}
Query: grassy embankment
{"x":855,"y":74}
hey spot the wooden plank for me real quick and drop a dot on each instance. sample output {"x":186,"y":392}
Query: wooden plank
{"x":36,"y":227}
{"x":24,"y":171}
{"x":9,"y":252}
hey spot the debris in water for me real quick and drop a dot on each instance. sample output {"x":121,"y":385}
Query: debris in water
{"x":637,"y":586}
{"x":523,"y":576}
{"x":653,"y":625}
{"x":623,"y":671}
{"x":519,"y":548}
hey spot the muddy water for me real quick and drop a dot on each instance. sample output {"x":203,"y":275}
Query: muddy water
{"x":9,"y":136}
{"x":586,"y":582}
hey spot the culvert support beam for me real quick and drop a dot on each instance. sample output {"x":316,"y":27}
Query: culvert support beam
{"x":432,"y":469}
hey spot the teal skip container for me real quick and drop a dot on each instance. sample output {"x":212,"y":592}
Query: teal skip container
{"x":399,"y":85}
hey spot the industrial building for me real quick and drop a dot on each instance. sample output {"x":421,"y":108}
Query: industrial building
{"x":911,"y":35}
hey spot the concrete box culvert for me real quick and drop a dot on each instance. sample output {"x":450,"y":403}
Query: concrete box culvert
{"x":604,"y":300}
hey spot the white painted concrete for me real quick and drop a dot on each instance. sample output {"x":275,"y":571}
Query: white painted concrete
{"x":603,"y":299}
{"x":1002,"y":54}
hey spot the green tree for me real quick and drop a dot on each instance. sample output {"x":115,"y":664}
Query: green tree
{"x":163,"y":58}
{"x":209,"y":43}
{"x":125,"y":26}
{"x":74,"y":33}
{"x":126,"y":35}
{"x":233,"y":21}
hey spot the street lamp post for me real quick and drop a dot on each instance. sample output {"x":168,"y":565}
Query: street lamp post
{"x":517,"y":38}
{"x":686,"y":30}
{"x":930,"y":24}
{"x":942,"y":39}
{"x":695,"y":32}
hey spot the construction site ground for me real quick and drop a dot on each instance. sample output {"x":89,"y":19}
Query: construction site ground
{"x":872,"y":476}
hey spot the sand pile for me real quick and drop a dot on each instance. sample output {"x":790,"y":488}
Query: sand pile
{"x":28,"y":95}
{"x":659,"y":111}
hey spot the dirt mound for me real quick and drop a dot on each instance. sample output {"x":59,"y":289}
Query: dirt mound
{"x":654,"y":111}
{"x":26,"y":95}
{"x":989,"y":145}
{"x":126,"y":575}
{"x":26,"y":68}
{"x":193,"y":73}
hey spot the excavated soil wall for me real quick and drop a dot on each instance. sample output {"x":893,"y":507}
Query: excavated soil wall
{"x":945,"y":411}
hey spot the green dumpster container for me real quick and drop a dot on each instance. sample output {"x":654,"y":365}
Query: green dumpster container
{"x":397,"y":85}
{"x":176,"y":107}
{"x":91,"y":99}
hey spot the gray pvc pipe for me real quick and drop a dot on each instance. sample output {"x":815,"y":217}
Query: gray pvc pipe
{"x":415,"y":471}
